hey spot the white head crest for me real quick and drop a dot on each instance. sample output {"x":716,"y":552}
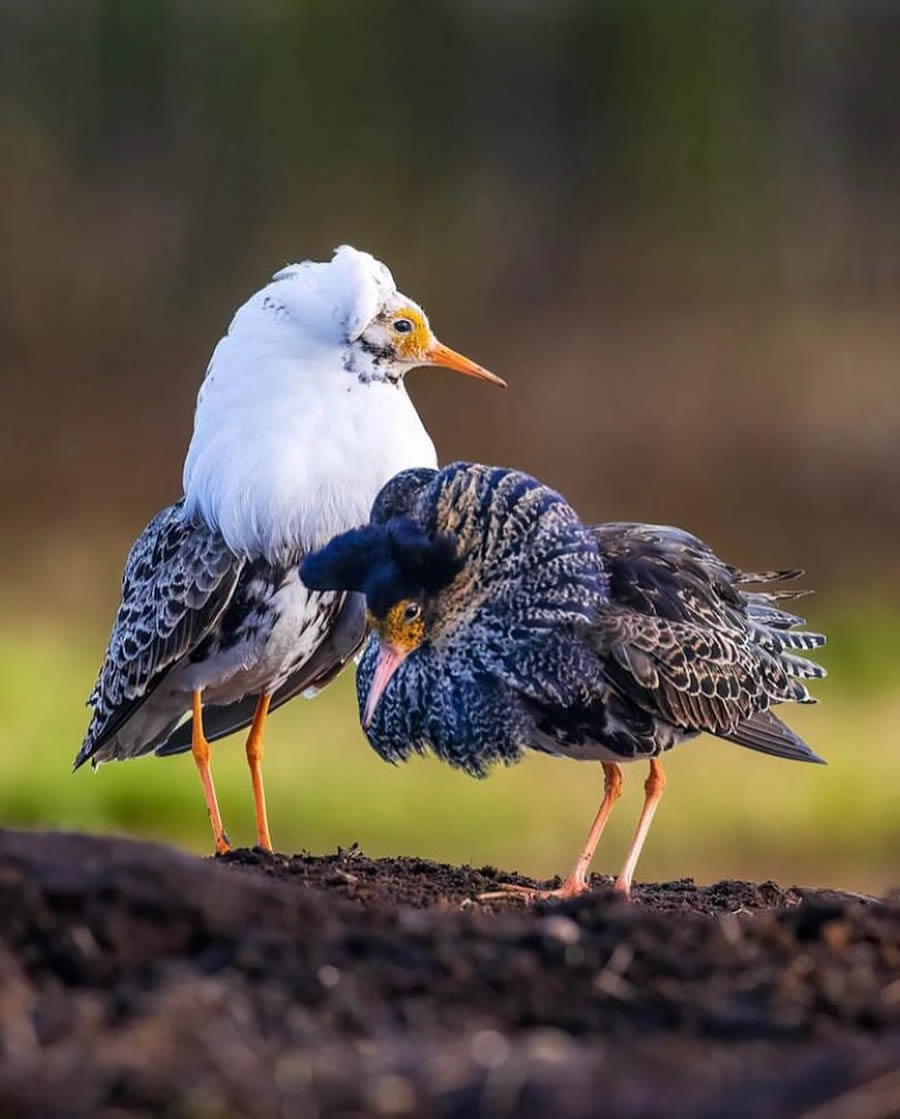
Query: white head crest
{"x":333,"y":299}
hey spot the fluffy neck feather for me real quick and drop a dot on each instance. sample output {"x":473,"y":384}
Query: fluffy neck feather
{"x":289,"y":448}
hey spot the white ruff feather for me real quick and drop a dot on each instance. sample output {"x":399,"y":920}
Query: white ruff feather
{"x":289,"y":447}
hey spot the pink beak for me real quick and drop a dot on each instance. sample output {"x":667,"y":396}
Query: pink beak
{"x":389,"y":660}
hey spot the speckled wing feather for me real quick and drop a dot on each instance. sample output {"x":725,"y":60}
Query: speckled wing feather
{"x":687,"y":644}
{"x":178,"y":579}
{"x":345,"y":636}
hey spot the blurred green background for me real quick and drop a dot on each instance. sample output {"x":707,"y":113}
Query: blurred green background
{"x":671,"y":226}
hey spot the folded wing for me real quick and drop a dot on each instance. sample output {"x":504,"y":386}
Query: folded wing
{"x":178,"y":579}
{"x":684,"y":641}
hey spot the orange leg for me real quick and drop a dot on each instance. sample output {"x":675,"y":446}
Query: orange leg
{"x":254,"y":760}
{"x":577,"y":880}
{"x":653,"y":790}
{"x":200,"y":750}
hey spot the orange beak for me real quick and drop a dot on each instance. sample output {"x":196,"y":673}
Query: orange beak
{"x":439,"y":354}
{"x":389,"y":660}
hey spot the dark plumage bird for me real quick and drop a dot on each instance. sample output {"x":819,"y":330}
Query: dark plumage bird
{"x":502,"y":622}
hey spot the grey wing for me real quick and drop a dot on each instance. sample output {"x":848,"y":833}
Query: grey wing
{"x":344,"y":638}
{"x":683,"y":641}
{"x":178,"y":579}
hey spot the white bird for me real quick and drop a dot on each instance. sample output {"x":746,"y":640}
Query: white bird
{"x":301,"y":419}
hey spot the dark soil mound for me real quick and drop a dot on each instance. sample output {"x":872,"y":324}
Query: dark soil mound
{"x":138,"y":980}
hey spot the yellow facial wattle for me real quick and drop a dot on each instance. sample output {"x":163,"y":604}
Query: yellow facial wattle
{"x":398,"y":630}
{"x":414,"y":343}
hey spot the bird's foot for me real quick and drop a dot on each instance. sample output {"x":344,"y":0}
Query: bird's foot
{"x":223,"y":844}
{"x":571,"y":888}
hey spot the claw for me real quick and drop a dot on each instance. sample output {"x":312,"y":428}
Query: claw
{"x":569,"y":889}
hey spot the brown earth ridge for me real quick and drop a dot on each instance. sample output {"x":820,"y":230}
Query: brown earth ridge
{"x":138,"y":980}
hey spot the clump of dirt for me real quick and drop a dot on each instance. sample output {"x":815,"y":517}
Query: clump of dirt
{"x":136,"y":980}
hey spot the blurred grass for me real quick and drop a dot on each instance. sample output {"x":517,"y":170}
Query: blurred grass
{"x":727,"y":813}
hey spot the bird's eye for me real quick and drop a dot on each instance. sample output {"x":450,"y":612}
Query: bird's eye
{"x":412,"y":611}
{"x":402,"y":326}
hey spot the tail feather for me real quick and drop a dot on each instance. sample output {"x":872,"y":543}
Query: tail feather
{"x":776,"y":596}
{"x":770,"y":577}
{"x":769,"y":735}
{"x":800,"y":666}
{"x":768,"y":615}
{"x":775,"y":631}
{"x":777,"y":640}
{"x":802,"y":640}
